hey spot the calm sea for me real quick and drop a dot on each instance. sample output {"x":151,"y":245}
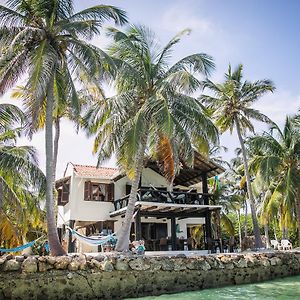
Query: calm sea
{"x":286,"y":288}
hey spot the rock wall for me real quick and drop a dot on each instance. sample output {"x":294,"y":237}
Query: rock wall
{"x":119,"y":276}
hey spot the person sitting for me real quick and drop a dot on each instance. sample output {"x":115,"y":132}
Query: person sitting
{"x":138,"y":247}
{"x":163,"y":244}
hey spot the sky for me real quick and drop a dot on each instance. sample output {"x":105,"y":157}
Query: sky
{"x":262,"y":35}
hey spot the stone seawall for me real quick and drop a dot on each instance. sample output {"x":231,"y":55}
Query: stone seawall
{"x":119,"y":276}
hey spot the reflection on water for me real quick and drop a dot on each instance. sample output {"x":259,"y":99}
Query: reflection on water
{"x":286,"y":288}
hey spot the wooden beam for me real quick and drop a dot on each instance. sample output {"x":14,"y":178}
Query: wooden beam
{"x":149,"y":208}
{"x":169,"y":215}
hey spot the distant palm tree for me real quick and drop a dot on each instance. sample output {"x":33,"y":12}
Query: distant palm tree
{"x":277,"y":163}
{"x":63,"y":109}
{"x":46,"y":41}
{"x":152,"y":113}
{"x":231,"y":108}
{"x":22,"y":184}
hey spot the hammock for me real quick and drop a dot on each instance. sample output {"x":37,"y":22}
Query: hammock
{"x":20,"y":248}
{"x":96,"y":241}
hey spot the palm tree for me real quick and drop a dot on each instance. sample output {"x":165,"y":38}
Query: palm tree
{"x":46,"y":41}
{"x":276,"y":162}
{"x":231,"y":108}
{"x":22,"y":184}
{"x":152,"y":112}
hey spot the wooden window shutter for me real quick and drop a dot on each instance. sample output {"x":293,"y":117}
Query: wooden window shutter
{"x":59,"y":193}
{"x":110,"y":192}
{"x":87,"y":191}
{"x":65,"y":193}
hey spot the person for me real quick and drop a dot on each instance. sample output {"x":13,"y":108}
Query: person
{"x":140,"y":250}
{"x":138,"y":247}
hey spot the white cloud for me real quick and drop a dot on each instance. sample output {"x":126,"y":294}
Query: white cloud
{"x":278,"y":105}
{"x":180,"y":17}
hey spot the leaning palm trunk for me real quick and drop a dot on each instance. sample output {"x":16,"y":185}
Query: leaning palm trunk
{"x":55,"y":246}
{"x":258,"y":242}
{"x":123,"y":236}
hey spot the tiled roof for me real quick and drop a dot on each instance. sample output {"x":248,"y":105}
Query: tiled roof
{"x":92,"y":171}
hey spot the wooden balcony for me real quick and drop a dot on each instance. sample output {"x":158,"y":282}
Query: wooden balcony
{"x":162,"y":196}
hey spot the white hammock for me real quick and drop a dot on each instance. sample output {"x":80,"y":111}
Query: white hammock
{"x":96,"y":241}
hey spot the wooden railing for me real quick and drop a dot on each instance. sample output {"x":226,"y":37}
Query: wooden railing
{"x":161,"y":196}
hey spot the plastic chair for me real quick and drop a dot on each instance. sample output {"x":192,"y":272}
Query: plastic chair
{"x":275,"y":244}
{"x":286,"y":245}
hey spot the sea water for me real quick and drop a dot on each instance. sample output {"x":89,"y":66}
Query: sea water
{"x":286,"y":288}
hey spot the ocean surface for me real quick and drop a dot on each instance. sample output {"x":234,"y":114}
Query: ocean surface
{"x":286,"y":288}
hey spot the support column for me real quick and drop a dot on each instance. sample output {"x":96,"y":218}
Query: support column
{"x":138,"y":226}
{"x":208,"y":231}
{"x":71,"y":245}
{"x":173,"y":233}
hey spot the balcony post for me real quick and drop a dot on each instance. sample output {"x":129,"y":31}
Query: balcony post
{"x":208,"y":231}
{"x":173,"y":233}
{"x":71,"y":245}
{"x":138,"y":226}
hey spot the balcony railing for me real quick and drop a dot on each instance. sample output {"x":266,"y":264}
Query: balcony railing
{"x":161,"y":196}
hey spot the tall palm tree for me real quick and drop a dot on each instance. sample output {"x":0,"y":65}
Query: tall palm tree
{"x":277,"y":163}
{"x":152,"y":111}
{"x":231,"y":107}
{"x":22,"y":184}
{"x":46,"y":40}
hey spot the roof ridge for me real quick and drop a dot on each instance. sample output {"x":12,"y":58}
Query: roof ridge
{"x":90,"y":166}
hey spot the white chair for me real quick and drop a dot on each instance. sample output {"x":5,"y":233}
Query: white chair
{"x":275,"y":244}
{"x":286,"y":245}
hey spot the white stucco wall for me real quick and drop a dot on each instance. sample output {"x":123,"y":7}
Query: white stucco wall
{"x":153,"y":178}
{"x":87,"y":210}
{"x":120,"y":187}
{"x":149,"y":177}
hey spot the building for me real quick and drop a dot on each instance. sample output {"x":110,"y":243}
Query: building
{"x":93,"y":201}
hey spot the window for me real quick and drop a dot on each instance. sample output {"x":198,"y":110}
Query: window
{"x":95,"y":191}
{"x":63,"y":191}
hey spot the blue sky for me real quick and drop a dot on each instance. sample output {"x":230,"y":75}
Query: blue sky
{"x":263,"y":35}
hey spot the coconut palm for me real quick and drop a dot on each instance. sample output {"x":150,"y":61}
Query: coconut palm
{"x":22,"y":184}
{"x":277,"y":163}
{"x":152,"y":111}
{"x":46,"y":41}
{"x":231,"y":103}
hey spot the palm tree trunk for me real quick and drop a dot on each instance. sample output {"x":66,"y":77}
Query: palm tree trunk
{"x":55,"y":148}
{"x":258,"y":242}
{"x":275,"y":234}
{"x":123,"y":236}
{"x":246,"y":219}
{"x":240,"y":228}
{"x":55,"y":246}
{"x":266,"y":228}
{"x":1,"y":193}
{"x":284,"y":233}
{"x":298,"y":218}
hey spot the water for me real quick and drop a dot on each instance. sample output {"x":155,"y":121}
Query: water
{"x":280,"y":289}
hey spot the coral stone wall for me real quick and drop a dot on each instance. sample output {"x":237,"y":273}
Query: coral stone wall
{"x":120,"y":276}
